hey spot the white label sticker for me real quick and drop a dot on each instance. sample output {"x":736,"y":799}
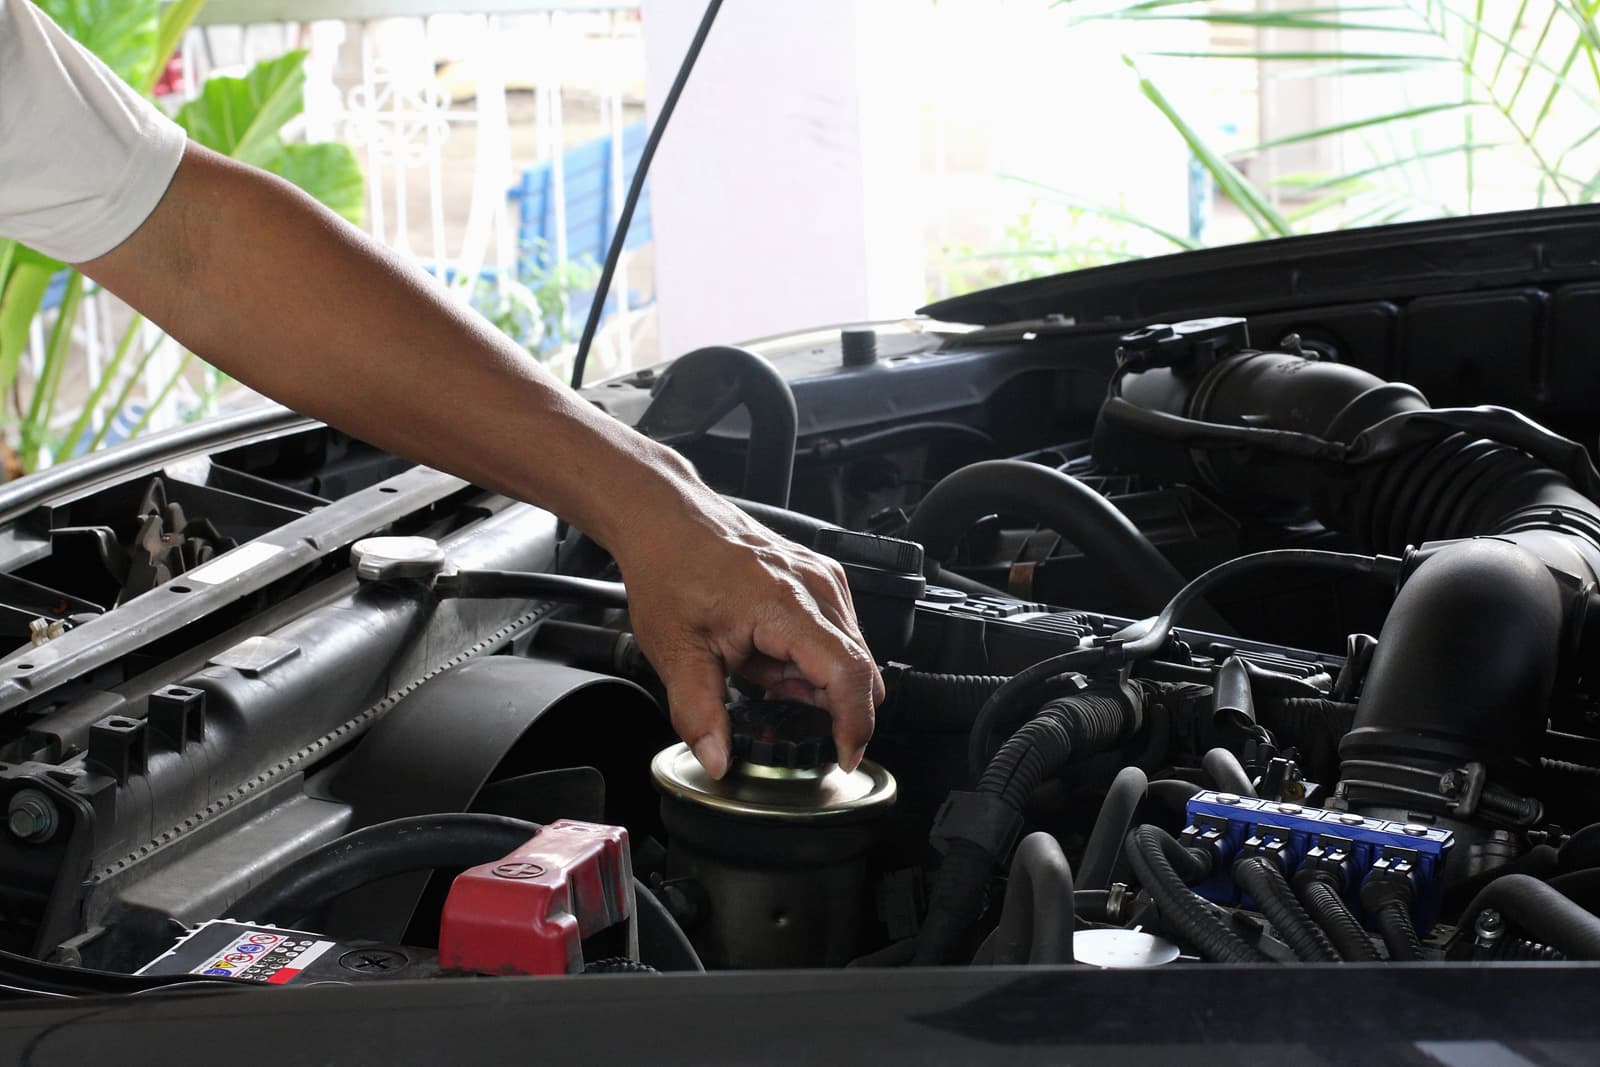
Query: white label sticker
{"x":232,"y":564}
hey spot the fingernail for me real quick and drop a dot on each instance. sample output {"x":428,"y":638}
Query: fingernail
{"x":853,"y":760}
{"x":712,"y":756}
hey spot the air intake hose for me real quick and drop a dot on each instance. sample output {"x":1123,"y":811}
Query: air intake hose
{"x":1468,"y":657}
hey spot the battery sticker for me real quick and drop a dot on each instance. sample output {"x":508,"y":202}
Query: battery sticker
{"x":232,"y":564}
{"x":224,"y":949}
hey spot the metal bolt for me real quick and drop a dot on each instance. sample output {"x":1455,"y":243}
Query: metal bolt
{"x":1290,"y":809}
{"x":1501,"y":837}
{"x":1227,"y":798}
{"x":1414,"y":829}
{"x":32,"y":816}
{"x":1350,"y":818}
{"x":372,"y":960}
{"x":1490,"y":926}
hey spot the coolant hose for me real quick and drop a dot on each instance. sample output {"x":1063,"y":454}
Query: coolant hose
{"x":1055,"y":500}
{"x":978,"y":826}
{"x":1320,"y":895}
{"x":1541,"y":911}
{"x":1263,"y":879}
{"x":1227,"y":773}
{"x":1111,"y":826}
{"x":1164,"y":868}
{"x":1036,"y":921}
{"x":699,"y":388}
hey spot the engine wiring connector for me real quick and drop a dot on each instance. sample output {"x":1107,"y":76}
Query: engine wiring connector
{"x":1353,"y":848}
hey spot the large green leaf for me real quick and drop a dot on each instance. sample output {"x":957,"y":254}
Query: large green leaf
{"x":241,"y":117}
{"x":26,"y":282}
{"x":329,"y":172}
{"x":122,"y":33}
{"x":176,"y":19}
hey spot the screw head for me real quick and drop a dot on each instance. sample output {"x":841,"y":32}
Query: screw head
{"x":31,"y":816}
{"x":1227,"y":798}
{"x":1350,"y":818}
{"x":1414,"y":829}
{"x":1290,"y":809}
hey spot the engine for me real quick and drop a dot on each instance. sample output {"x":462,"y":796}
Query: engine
{"x":1256,"y":657}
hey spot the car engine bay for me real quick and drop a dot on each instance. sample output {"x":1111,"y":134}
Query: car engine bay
{"x":1234,"y":608}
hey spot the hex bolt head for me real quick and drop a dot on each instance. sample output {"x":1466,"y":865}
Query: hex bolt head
{"x":32,"y":816}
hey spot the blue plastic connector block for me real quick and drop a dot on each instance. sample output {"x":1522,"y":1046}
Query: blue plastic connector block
{"x":1351,"y":846}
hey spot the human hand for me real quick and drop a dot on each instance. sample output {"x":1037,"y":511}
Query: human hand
{"x":711,"y":593}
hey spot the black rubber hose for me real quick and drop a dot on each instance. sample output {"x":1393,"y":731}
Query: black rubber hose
{"x":1545,"y":913}
{"x":1073,"y":726}
{"x":1320,"y":895}
{"x":1263,"y":879}
{"x":1111,"y":827}
{"x":920,"y":700}
{"x":1056,"y":500}
{"x":1152,"y":852}
{"x":693,"y":393}
{"x":1036,"y":920}
{"x":1227,"y":773}
{"x":420,"y":843}
{"x":1172,"y":794}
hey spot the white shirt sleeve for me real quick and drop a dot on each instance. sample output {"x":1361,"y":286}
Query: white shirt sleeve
{"x":84,"y":159}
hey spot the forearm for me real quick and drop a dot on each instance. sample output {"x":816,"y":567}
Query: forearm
{"x":254,"y":277}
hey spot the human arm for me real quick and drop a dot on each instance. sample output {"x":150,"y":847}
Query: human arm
{"x":258,"y":279}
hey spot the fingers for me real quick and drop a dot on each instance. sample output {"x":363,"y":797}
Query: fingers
{"x":696,"y":698}
{"x":837,"y":664}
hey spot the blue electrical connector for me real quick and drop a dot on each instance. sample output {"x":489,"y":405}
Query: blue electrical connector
{"x":1352,"y":847}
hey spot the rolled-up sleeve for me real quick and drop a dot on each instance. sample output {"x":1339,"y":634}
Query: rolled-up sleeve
{"x":84,"y":159}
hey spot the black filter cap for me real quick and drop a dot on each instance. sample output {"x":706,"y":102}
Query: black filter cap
{"x":781,"y":733}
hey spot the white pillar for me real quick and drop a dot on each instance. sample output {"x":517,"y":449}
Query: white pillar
{"x":785,"y":192}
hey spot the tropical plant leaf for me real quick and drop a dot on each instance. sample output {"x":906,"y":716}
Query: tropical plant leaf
{"x":1372,"y":121}
{"x":121,"y":32}
{"x":26,"y":284}
{"x":176,"y":18}
{"x":1232,"y":184}
{"x":329,"y":172}
{"x":241,"y":117}
{"x":1066,"y":199}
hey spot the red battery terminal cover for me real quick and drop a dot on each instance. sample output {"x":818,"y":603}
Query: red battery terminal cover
{"x":529,"y":912}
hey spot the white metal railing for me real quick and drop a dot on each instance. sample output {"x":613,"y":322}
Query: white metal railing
{"x":438,"y":164}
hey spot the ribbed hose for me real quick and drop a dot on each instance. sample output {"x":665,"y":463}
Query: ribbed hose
{"x":1399,"y":932}
{"x":1111,"y":827}
{"x":1072,"y":726}
{"x":926,"y":701}
{"x":1263,"y":880}
{"x":1156,"y":860}
{"x":1518,"y":948}
{"x":1328,"y":910}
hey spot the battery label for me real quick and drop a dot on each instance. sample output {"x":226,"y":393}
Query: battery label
{"x":223,"y":949}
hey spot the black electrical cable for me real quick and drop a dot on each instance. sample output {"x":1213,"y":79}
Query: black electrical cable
{"x":630,"y":203}
{"x":531,"y":585}
{"x":1318,"y":891}
{"x":1388,"y":904}
{"x":1111,"y":827}
{"x":1143,"y":639}
{"x":401,"y":846}
{"x":1263,"y":879}
{"x":1164,"y":868}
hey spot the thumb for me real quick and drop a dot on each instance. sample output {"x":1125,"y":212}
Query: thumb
{"x":697,"y":692}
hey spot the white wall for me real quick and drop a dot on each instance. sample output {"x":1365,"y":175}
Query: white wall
{"x":784,"y":194}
